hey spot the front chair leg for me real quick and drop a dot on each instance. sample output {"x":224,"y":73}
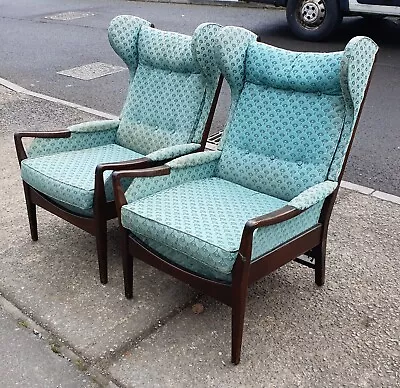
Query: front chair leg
{"x":319,"y":253}
{"x":239,"y":298}
{"x":127,"y":264}
{"x":31,"y":209}
{"x":101,"y":245}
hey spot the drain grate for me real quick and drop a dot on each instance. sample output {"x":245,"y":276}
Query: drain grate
{"x":215,"y":138}
{"x":91,"y":71}
{"x":65,"y":16}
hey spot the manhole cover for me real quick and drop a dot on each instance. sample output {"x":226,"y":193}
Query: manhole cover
{"x":91,"y":71}
{"x":69,"y":15}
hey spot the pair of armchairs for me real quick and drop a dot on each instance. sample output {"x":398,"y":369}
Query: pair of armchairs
{"x":219,"y":220}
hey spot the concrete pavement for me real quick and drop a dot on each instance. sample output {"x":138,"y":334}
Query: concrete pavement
{"x":346,"y":333}
{"x":29,"y":361}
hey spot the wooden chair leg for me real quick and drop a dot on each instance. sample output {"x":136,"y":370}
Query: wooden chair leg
{"x":101,"y":245}
{"x":238,"y":310}
{"x":319,"y":253}
{"x":127,"y":264}
{"x":31,"y":209}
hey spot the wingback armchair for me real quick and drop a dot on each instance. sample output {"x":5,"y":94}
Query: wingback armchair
{"x":173,"y":89}
{"x":221,"y":220}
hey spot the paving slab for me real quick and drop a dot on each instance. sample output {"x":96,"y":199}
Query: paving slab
{"x":55,"y":280}
{"x":346,"y":333}
{"x":28,"y":361}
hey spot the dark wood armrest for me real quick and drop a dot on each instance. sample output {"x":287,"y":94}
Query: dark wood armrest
{"x":125,"y":165}
{"x":283,"y":214}
{"x":21,"y":153}
{"x":116,"y":166}
{"x":119,"y":195}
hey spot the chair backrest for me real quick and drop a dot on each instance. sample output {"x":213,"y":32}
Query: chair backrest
{"x":292,"y":114}
{"x":173,"y":79}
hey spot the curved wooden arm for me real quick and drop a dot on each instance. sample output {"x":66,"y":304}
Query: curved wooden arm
{"x":119,"y":195}
{"x":117,"y":166}
{"x":21,"y":153}
{"x":125,"y":165}
{"x":283,"y":214}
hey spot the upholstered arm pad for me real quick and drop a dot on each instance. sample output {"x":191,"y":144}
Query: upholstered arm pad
{"x":173,"y":151}
{"x":300,"y":214}
{"x":95,"y":126}
{"x":186,"y":168}
{"x":84,"y":135}
{"x":195,"y":159}
{"x":313,"y":195}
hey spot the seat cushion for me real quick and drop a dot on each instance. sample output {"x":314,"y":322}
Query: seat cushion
{"x":68,"y":177}
{"x":202,"y":219}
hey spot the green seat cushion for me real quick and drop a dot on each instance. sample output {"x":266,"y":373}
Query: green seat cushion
{"x":202,"y":220}
{"x":68,"y":177}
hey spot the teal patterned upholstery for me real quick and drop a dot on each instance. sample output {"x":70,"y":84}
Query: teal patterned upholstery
{"x":186,"y":168}
{"x":68,"y":177}
{"x":291,"y":118}
{"x":173,"y":79}
{"x":172,"y":91}
{"x":193,"y":217}
{"x":358,"y":59}
{"x":84,"y":135}
{"x":313,"y":195}
{"x":173,"y":151}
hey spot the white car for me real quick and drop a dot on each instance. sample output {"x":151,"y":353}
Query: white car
{"x":316,"y":19}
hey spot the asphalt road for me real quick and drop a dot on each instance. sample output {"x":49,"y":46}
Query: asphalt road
{"x":34,"y":48}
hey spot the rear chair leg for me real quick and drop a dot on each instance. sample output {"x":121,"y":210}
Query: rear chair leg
{"x":319,"y":255}
{"x":127,"y":264}
{"x":31,"y":209}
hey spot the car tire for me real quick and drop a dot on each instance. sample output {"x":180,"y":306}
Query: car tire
{"x":313,"y":20}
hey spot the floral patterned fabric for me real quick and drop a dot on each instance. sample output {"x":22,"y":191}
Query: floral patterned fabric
{"x":202,"y":218}
{"x":358,"y":59}
{"x":289,"y":116}
{"x":184,"y":169}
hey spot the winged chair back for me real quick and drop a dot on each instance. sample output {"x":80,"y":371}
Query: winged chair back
{"x":292,"y":114}
{"x":173,"y":78}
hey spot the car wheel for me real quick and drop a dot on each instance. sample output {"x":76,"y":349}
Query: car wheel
{"x":313,"y":19}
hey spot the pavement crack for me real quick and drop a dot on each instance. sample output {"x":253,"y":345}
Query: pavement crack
{"x":105,"y":362}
